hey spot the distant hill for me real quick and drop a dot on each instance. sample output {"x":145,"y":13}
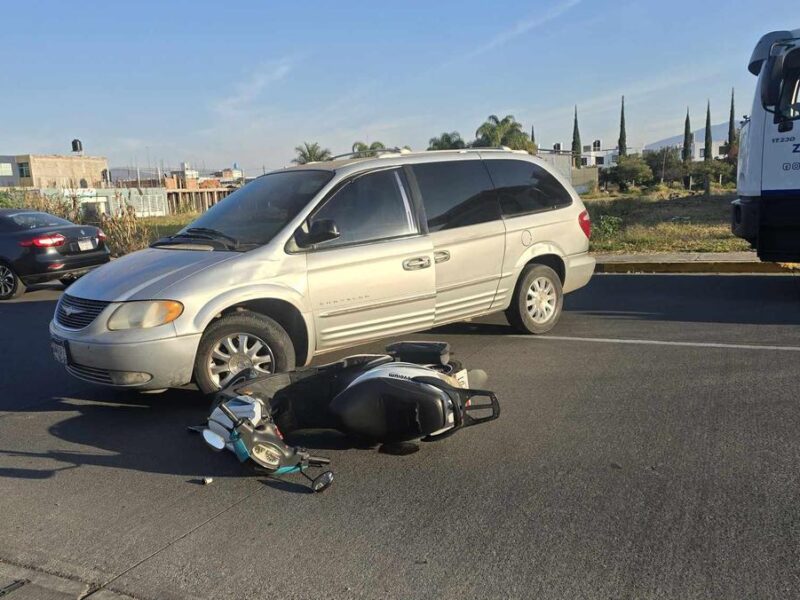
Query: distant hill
{"x":719,"y":133}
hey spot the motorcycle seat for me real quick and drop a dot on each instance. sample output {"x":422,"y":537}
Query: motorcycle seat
{"x":391,"y":410}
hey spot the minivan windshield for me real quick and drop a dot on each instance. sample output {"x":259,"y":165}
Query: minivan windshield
{"x":254,"y":214}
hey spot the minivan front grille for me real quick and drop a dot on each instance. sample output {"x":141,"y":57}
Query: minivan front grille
{"x":90,"y":373}
{"x":77,"y":313}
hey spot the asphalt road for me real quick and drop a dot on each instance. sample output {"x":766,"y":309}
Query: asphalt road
{"x":648,"y":448}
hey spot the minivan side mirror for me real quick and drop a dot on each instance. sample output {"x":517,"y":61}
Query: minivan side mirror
{"x":322,"y":230}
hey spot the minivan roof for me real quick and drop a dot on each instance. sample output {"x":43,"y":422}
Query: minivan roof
{"x":335,"y":165}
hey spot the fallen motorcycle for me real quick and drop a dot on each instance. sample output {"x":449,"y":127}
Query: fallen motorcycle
{"x":412,"y":392}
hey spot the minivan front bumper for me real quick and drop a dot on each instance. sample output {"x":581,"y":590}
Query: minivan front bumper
{"x":147,"y":365}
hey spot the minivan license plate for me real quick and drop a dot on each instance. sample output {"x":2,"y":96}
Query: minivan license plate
{"x":59,"y":351}
{"x":84,"y":245}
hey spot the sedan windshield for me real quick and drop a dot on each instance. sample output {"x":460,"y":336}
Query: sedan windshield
{"x":254,"y":214}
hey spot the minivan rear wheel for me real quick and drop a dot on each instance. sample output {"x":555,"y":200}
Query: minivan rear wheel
{"x":538,"y":299}
{"x":239,"y":341}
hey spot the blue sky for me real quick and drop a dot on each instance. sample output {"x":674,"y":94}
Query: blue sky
{"x":217,"y":83}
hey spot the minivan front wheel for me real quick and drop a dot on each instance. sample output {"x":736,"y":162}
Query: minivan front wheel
{"x":240,"y":341}
{"x":538,"y":299}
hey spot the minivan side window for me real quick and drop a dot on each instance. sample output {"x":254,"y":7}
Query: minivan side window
{"x":371,"y":207}
{"x":456,"y":194}
{"x":525,"y":187}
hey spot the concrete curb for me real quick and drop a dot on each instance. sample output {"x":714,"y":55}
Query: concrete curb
{"x":692,"y":267}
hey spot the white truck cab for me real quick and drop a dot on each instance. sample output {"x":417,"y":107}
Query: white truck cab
{"x":767,"y":211}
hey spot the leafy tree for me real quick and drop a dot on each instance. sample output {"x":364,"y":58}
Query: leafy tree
{"x":687,"y":140}
{"x":623,"y":138}
{"x":503,"y":132}
{"x":712,"y":170}
{"x":576,"y":142}
{"x":447,"y":141}
{"x":361,"y":149}
{"x":310,"y":152}
{"x":631,"y":170}
{"x":665,"y":164}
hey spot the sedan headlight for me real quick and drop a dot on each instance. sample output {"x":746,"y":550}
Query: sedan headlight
{"x":144,"y":314}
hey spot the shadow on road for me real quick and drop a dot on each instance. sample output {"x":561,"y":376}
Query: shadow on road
{"x":127,"y":430}
{"x":756,"y":300}
{"x":740,"y":299}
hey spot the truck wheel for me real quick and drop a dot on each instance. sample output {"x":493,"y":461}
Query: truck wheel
{"x":536,"y":305}
{"x":11,"y":286}
{"x":241,"y":341}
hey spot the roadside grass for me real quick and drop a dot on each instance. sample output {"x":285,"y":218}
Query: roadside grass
{"x":652,"y":224}
{"x":167,"y":225}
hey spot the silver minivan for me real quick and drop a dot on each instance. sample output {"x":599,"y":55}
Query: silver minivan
{"x":324,"y":256}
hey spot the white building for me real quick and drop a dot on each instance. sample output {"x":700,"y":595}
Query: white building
{"x":719,"y":140}
{"x":594,"y":155}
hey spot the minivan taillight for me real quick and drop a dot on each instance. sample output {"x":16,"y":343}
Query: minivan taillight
{"x":586,"y":223}
{"x":44,"y":241}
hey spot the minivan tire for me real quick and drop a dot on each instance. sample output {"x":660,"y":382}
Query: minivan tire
{"x":12,"y":280}
{"x":544,"y":282}
{"x":246,"y":323}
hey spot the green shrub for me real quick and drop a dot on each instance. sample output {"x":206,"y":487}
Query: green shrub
{"x":607,"y":226}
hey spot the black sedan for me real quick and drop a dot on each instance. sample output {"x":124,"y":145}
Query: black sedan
{"x":37,"y":247}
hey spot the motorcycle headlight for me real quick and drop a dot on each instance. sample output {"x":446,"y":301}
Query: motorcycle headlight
{"x":144,"y":314}
{"x":267,"y":454}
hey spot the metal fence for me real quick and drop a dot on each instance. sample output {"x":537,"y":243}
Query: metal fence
{"x":147,"y":202}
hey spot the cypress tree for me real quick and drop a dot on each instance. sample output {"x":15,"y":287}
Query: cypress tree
{"x":731,"y":127}
{"x":623,"y":139}
{"x":576,"y":141}
{"x":687,"y":139}
{"x":708,"y":153}
{"x":533,"y":135}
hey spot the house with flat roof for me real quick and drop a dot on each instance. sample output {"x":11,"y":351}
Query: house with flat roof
{"x":53,"y":171}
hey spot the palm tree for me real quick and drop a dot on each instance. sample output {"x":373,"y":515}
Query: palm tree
{"x":447,"y":141}
{"x":310,"y":152}
{"x":362,"y":149}
{"x":503,"y":132}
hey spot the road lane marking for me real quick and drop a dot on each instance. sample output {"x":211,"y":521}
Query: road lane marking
{"x":563,"y":338}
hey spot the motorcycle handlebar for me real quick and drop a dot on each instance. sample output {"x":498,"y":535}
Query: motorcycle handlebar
{"x":229,"y":413}
{"x":318,"y":460}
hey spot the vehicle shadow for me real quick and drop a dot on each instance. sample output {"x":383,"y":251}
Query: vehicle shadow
{"x":131,"y":431}
{"x":739,"y":299}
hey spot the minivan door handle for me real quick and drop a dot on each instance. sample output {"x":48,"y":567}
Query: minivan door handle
{"x":441,"y":256}
{"x":414,"y":264}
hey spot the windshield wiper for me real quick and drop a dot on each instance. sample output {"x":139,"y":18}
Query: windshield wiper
{"x":213,"y":234}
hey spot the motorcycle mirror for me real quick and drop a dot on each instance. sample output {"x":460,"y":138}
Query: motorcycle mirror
{"x":215,"y":440}
{"x":322,"y":482}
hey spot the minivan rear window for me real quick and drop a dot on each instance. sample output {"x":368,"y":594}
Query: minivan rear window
{"x":456,"y":194}
{"x":525,"y":187}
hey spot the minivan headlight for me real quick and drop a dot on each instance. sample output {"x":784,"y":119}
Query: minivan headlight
{"x":144,"y":314}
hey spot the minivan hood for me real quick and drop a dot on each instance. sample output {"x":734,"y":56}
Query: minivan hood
{"x":144,"y":274}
